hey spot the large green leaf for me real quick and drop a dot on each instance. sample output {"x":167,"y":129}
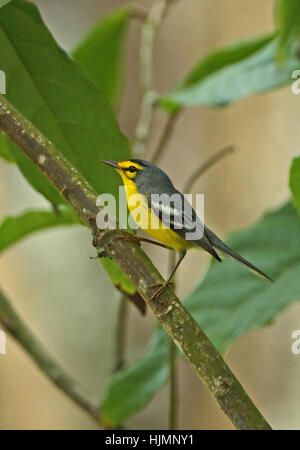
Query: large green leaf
{"x":287,"y":19}
{"x":52,"y":91}
{"x":100,"y":53}
{"x":131,"y":389}
{"x":228,"y":303}
{"x":231,"y":301}
{"x":15,"y":228}
{"x":214,"y":62}
{"x":215,"y":82}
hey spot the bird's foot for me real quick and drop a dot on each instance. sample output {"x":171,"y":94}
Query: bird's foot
{"x":162,"y":287}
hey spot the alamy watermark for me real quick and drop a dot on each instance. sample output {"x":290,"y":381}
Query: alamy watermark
{"x":2,"y":82}
{"x":295,"y":347}
{"x":295,"y":88}
{"x":2,"y":342}
{"x":166,"y":211}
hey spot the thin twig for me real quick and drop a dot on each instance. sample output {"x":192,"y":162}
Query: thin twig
{"x":173,"y":392}
{"x":148,"y":35}
{"x":19,"y":330}
{"x":138,"y":11}
{"x":210,"y":162}
{"x":173,"y":374}
{"x":166,"y":135}
{"x":121,"y":330}
{"x":153,"y":19}
{"x":168,"y":310}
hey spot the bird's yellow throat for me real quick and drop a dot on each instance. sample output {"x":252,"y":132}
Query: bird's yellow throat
{"x":147,"y":220}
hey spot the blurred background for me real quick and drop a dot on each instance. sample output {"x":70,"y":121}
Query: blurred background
{"x":68,"y":301}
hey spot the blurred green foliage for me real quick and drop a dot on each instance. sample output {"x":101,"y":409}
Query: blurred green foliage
{"x":100,"y":53}
{"x":230,"y":301}
{"x":287,"y":13}
{"x":231,"y":74}
{"x":51,"y":90}
{"x":15,"y":228}
{"x":131,"y":389}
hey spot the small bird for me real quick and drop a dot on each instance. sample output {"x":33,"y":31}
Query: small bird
{"x":145,"y":181}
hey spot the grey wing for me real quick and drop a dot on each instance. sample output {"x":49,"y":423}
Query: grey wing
{"x":175,"y":211}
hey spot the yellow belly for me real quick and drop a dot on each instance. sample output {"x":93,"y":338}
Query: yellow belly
{"x":150,"y":223}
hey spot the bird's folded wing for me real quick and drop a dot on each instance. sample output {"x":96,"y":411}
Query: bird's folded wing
{"x":180,"y":216}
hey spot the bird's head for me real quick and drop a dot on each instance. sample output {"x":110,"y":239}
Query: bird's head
{"x":129,"y":168}
{"x":142,"y":173}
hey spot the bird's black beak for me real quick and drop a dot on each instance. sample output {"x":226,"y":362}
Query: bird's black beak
{"x":113,"y":164}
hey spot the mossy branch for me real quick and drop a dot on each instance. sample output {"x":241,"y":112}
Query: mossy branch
{"x":168,"y":310}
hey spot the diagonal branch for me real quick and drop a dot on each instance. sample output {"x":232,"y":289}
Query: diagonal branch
{"x":166,"y":135}
{"x":168,"y":310}
{"x":207,"y":164}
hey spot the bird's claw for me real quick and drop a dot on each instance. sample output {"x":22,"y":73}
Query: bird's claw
{"x":163,"y":287}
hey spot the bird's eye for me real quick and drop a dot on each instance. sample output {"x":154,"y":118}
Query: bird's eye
{"x":131,"y":169}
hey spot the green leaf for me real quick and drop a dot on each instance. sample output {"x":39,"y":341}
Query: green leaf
{"x":123,"y":284}
{"x":215,"y":82}
{"x":15,"y":228}
{"x":287,"y":20}
{"x":214,"y":62}
{"x":51,"y":90}
{"x":117,"y":276}
{"x":100,"y":53}
{"x":132,"y":389}
{"x":5,"y":153}
{"x":232,"y":301}
{"x":228,"y":303}
{"x":224,"y":57}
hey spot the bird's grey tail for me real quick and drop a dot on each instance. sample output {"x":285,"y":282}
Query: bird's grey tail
{"x":226,"y":251}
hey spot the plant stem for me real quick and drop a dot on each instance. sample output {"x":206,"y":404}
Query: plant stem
{"x":173,"y":393}
{"x":153,"y":19}
{"x":206,"y":165}
{"x":173,"y":374}
{"x":148,"y":35}
{"x":121,"y":330}
{"x":168,"y":310}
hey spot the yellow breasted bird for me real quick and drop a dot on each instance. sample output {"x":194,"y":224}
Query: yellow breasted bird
{"x":143,"y":180}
